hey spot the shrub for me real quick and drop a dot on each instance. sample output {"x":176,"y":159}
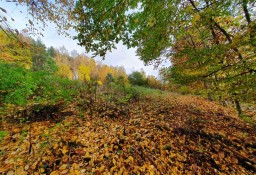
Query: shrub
{"x":53,"y":88}
{"x":16,"y":84}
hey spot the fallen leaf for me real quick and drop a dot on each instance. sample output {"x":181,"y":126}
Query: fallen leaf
{"x":64,"y":150}
{"x":54,"y":173}
{"x":63,"y":167}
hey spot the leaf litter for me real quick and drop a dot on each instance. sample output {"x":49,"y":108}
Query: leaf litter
{"x":160,"y":135}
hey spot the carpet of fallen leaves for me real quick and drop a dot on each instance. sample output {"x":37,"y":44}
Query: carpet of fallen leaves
{"x":170,"y":135}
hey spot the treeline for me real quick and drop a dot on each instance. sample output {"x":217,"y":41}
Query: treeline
{"x":33,"y":54}
{"x":31,"y":72}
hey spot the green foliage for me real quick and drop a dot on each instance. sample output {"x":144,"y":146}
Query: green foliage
{"x":109,"y":79}
{"x":19,"y":86}
{"x":137,"y":78}
{"x":51,"y":52}
{"x":50,"y":65}
{"x":185,"y":90}
{"x":136,"y":23}
{"x":121,"y":82}
{"x":132,"y":92}
{"x":16,"y":84}
{"x":248,"y":119}
{"x":42,"y":59}
{"x":52,"y":88}
{"x":3,"y":134}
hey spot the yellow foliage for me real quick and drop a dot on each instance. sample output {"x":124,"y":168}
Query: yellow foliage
{"x":64,"y":71}
{"x":54,"y":173}
{"x":84,"y":72}
{"x":196,"y":18}
{"x":99,"y":83}
{"x":15,"y":50}
{"x":103,"y":71}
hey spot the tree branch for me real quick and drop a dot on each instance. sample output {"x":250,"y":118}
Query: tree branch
{"x":246,"y":12}
{"x":215,"y":71}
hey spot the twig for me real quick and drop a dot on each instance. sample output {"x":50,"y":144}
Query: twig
{"x":30,"y":141}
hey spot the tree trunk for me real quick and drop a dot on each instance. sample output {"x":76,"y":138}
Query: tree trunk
{"x":238,"y":107}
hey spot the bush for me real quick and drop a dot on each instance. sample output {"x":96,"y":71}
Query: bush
{"x":19,"y":86}
{"x":16,"y":84}
{"x":54,"y":88}
{"x":132,"y":93}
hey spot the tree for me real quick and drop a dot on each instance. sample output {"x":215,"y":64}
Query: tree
{"x":103,"y":70}
{"x":153,"y":82}
{"x":84,"y":73}
{"x":42,"y":59}
{"x":109,"y":79}
{"x":137,"y":78}
{"x":122,"y":81}
{"x":148,"y":28}
{"x":212,"y":52}
{"x":51,"y":52}
{"x":64,"y":63}
{"x":64,"y":71}
{"x":119,"y":71}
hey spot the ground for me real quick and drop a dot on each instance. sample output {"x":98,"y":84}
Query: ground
{"x":151,"y":135}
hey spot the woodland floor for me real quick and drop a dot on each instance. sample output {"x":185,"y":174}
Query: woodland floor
{"x":171,"y":135}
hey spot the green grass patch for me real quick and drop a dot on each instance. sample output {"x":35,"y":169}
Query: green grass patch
{"x":3,"y":134}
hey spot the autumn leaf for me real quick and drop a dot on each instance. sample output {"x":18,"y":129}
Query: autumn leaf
{"x":64,"y":150}
{"x":63,"y":167}
{"x":54,"y":173}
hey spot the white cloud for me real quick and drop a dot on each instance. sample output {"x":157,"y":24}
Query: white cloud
{"x":118,"y":57}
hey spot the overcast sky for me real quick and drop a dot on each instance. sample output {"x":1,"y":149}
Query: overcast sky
{"x":118,"y":57}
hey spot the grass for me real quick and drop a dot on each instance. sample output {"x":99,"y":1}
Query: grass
{"x":3,"y":134}
{"x":145,"y":91}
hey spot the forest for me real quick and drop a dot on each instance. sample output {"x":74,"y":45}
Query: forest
{"x":63,"y":112}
